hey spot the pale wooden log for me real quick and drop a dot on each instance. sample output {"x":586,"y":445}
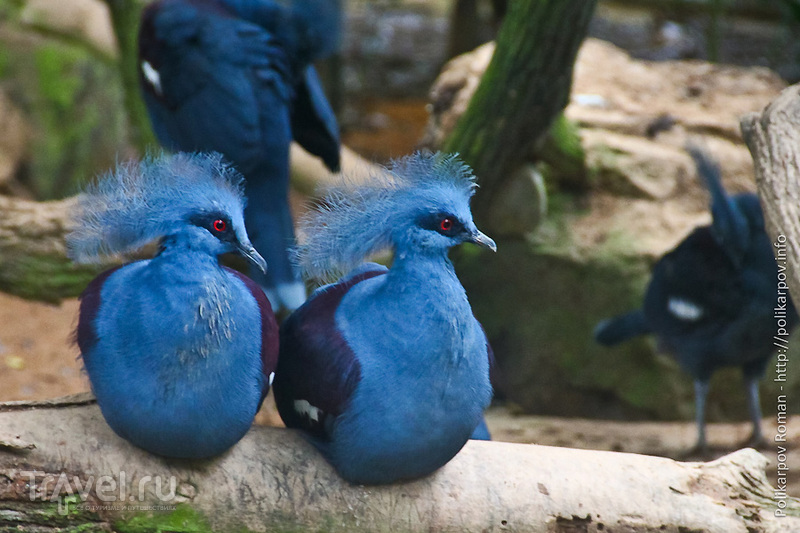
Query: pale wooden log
{"x":275,"y":481}
{"x":773,"y":137}
{"x":309,"y":173}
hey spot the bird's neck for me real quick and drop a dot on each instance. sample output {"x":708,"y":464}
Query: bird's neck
{"x":183,"y":252}
{"x":431,"y":264}
{"x":423,"y":270}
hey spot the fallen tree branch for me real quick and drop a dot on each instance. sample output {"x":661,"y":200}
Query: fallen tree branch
{"x":773,"y":137}
{"x":33,"y":258}
{"x":275,"y":481}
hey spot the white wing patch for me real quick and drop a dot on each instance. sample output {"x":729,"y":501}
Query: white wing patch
{"x":152,"y":76}
{"x":302,"y":407}
{"x":685,"y":309}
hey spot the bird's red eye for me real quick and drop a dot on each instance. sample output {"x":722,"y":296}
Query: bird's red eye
{"x":446,"y":224}
{"x":220,"y":225}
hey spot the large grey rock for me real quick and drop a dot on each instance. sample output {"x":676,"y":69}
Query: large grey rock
{"x":540,"y":297}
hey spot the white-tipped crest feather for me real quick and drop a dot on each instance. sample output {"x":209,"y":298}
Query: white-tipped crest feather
{"x":141,"y":201}
{"x":354,"y":221}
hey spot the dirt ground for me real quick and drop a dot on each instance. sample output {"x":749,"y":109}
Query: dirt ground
{"x":38,"y":361}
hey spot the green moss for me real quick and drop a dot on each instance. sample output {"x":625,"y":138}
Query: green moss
{"x":5,"y":62}
{"x":563,"y":156}
{"x":73,"y":103}
{"x":58,"y":79}
{"x":539,"y":304}
{"x":10,"y":8}
{"x":46,"y":278}
{"x":183,"y":519}
{"x":75,"y":113}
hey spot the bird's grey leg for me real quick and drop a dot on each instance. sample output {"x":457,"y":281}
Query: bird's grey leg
{"x":700,"y":393}
{"x":754,"y":407}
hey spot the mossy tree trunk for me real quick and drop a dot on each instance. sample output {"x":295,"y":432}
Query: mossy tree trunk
{"x":524,"y":89}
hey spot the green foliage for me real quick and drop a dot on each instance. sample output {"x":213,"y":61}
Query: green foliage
{"x":58,"y":79}
{"x":74,"y":105}
{"x":5,"y":62}
{"x":9,"y":8}
{"x":78,"y":114}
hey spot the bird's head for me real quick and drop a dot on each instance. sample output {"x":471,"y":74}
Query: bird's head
{"x":419,"y":206}
{"x":435,"y":216}
{"x":193,"y":199}
{"x":217,"y":232}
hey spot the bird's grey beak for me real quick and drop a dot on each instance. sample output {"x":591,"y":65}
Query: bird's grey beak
{"x":251,"y":254}
{"x":481,"y":239}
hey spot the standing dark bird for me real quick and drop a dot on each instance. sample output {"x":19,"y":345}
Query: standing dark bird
{"x":234,"y":76}
{"x":387,"y":370}
{"x":711,"y":300}
{"x":180,"y":351}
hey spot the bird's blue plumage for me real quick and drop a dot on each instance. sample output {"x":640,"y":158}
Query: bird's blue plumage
{"x":711,"y":300}
{"x":311,"y":336}
{"x":234,"y":76}
{"x":730,"y":225}
{"x":481,"y":432}
{"x":388,"y":371}
{"x":179,"y":350}
{"x":314,"y":125}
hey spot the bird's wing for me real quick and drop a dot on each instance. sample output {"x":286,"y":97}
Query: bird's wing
{"x":269,"y":331}
{"x":310,"y":29}
{"x":729,"y":223}
{"x":86,"y":333}
{"x":314,"y":125}
{"x":317,"y":370}
{"x":208,"y":77}
{"x":695,"y":289}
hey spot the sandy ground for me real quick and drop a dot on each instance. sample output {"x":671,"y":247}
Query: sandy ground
{"x":38,"y":360}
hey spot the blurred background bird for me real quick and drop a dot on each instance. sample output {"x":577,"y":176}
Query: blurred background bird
{"x":711,"y":300}
{"x":235,"y":77}
{"x":387,"y":370}
{"x":179,"y":350}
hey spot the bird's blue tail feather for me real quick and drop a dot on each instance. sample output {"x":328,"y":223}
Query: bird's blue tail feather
{"x":729,"y":223}
{"x":613,"y":331}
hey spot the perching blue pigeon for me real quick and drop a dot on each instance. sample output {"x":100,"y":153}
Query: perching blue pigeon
{"x":180,"y":351}
{"x":387,"y":370}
